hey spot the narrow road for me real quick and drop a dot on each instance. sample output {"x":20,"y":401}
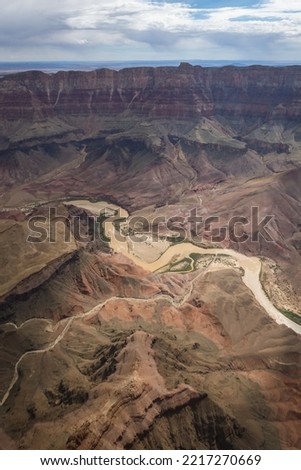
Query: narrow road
{"x":250,"y":265}
{"x":91,"y":313}
{"x":251,"y":278}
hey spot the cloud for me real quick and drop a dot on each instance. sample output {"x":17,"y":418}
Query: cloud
{"x":36,"y":29}
{"x":256,"y":18}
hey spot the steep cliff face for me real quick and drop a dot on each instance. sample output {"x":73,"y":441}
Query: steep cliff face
{"x":183,"y":92}
{"x":177,"y":125}
{"x":236,"y":121}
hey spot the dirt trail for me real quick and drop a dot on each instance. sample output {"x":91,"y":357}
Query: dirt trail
{"x":251,"y":278}
{"x":91,"y":313}
{"x":250,"y":265}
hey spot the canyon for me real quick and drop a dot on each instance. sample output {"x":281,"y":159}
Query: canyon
{"x":111,"y":347}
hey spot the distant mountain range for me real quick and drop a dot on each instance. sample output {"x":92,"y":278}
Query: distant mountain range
{"x":55,"y":66}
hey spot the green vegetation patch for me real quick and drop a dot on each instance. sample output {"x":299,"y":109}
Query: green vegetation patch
{"x":183,"y":265}
{"x":291,"y":315}
{"x":198,"y":256}
{"x":175,"y":240}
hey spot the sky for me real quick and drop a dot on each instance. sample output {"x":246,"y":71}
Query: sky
{"x":150,"y":30}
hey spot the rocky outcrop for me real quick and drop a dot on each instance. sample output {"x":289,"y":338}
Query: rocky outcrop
{"x":139,"y":397}
{"x":183,"y":92}
{"x":176,"y":127}
{"x":215,"y":373}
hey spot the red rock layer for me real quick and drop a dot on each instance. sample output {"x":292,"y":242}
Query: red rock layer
{"x":179,"y":92}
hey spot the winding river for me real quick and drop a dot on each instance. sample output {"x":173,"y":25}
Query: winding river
{"x":251,"y":278}
{"x":250,"y":265}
